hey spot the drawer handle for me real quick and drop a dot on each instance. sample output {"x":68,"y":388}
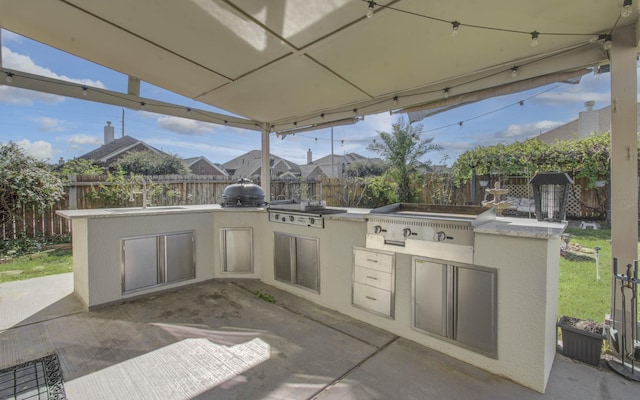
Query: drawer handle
{"x":371,"y":298}
{"x":372,"y":277}
{"x":373,"y":261}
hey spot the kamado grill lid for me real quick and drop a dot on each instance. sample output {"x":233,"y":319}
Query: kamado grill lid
{"x":243,"y":193}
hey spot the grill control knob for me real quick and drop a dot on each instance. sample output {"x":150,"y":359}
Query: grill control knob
{"x":291,"y":218}
{"x":406,"y":232}
{"x":377,"y":229}
{"x":312,"y":220}
{"x":277,"y":216}
{"x":441,"y":236}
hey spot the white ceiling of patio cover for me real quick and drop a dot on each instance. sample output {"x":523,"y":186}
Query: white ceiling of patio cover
{"x":285,"y":61}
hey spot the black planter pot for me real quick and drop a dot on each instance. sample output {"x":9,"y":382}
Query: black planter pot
{"x":579,"y":344}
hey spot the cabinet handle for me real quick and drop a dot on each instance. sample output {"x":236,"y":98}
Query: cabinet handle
{"x":372,"y":277}
{"x":371,"y":298}
{"x":371,"y":260}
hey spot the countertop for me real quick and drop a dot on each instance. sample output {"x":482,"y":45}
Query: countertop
{"x":522,"y":227}
{"x":150,"y":211}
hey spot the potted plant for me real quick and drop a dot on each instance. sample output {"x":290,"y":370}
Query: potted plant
{"x":582,"y":339}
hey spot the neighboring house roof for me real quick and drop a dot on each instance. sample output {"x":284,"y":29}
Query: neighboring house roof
{"x":341,"y":163}
{"x":249,"y":165}
{"x":110,"y":152}
{"x":311,"y":171}
{"x":203,"y":163}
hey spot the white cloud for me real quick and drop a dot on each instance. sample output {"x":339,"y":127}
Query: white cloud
{"x":21,"y":62}
{"x":8,"y":36}
{"x":23,"y":97}
{"x":47,"y":124}
{"x":184,"y":126}
{"x":525,"y":131}
{"x":41,"y":150}
{"x":85,"y":139}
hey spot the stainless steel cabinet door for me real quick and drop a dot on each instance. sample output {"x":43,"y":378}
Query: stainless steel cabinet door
{"x":179,"y":259}
{"x":430,"y":292}
{"x":476,"y":322}
{"x":307,"y":263}
{"x":140,"y":257}
{"x":283,"y":252}
{"x":237,"y":250}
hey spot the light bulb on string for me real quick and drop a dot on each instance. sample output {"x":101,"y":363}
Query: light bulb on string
{"x":84,"y":91}
{"x":355,"y":112}
{"x":142,"y":105}
{"x":9,"y":78}
{"x":445,"y":93}
{"x":372,"y":5}
{"x":455,"y":25}
{"x":514,"y":71}
{"x":395,"y":101}
{"x":188,"y":112}
{"x":626,"y":9}
{"x":534,"y":38}
{"x":322,"y":116}
{"x":461,"y":123}
{"x":607,"y":43}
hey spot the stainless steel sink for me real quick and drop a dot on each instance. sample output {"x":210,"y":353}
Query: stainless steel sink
{"x":134,"y":210}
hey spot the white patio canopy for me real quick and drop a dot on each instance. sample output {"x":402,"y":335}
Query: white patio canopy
{"x":282,"y":65}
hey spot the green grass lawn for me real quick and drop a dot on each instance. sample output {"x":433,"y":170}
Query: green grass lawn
{"x":35,"y":265}
{"x":581,"y":295}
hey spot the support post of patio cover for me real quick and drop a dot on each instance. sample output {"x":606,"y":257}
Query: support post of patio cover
{"x":624,"y":161}
{"x":265,"y":170}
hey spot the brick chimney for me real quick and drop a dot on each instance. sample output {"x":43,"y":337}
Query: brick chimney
{"x":309,"y":157}
{"x":108,"y":133}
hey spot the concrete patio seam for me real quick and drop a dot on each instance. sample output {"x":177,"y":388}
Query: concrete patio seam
{"x":282,"y":306}
{"x":350,"y":370}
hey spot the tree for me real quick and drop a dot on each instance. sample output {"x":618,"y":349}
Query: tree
{"x":364,"y":168}
{"x":151,"y":163}
{"x":582,"y":158}
{"x":24,"y":181}
{"x":403,"y":148}
{"x":79,"y":166}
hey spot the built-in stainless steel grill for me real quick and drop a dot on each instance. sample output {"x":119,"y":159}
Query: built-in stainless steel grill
{"x":443,"y":232}
{"x":304,"y":213}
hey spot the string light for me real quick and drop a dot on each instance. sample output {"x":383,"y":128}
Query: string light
{"x":534,"y":38}
{"x":514,"y":71}
{"x":322,"y":116}
{"x":142,"y":105}
{"x":454,"y":28}
{"x":355,"y":111}
{"x":607,"y":42}
{"x":626,"y":9}
{"x":395,"y":101}
{"x":84,"y":91}
{"x":9,"y":77}
{"x":188,"y":112}
{"x":372,"y":5}
{"x":445,"y":93}
{"x":460,"y":123}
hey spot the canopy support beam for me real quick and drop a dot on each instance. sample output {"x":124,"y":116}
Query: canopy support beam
{"x":624,"y":160}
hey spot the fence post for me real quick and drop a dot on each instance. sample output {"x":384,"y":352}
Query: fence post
{"x":73,"y":192}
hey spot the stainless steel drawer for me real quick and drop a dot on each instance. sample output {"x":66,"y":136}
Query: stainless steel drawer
{"x":372,"y":277}
{"x":373,"y":299}
{"x":374,"y":260}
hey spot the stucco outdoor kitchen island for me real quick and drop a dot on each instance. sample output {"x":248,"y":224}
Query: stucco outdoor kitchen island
{"x":503,"y":285}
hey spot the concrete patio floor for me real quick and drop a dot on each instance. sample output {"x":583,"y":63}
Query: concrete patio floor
{"x":218,"y":340}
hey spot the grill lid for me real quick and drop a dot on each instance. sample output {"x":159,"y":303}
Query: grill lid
{"x":243,"y":193}
{"x":475,"y":215}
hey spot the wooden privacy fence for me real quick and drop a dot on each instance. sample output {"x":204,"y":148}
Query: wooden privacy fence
{"x":197,"y":189}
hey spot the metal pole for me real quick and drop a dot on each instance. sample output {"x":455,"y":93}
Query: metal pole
{"x":333,"y":171}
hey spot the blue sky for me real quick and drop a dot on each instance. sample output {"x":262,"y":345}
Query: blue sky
{"x":50,"y":127}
